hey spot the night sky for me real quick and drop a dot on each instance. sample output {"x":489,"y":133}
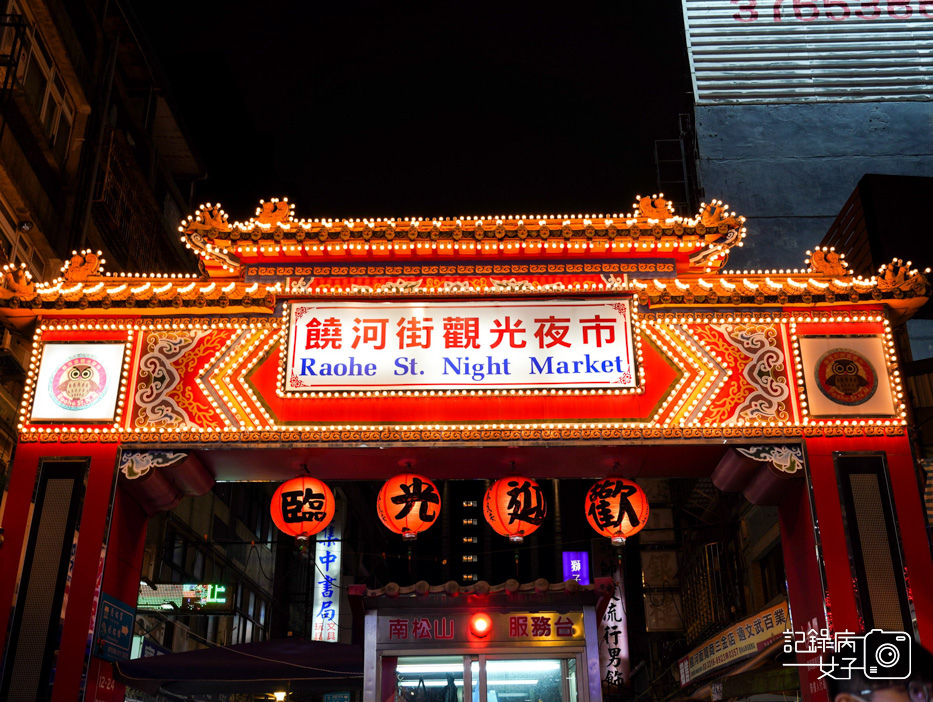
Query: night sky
{"x":434,"y":108}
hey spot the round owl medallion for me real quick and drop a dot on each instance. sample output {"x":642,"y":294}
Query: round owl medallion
{"x":78,"y":383}
{"x":846,"y":377}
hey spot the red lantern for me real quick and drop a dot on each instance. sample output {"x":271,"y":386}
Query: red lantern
{"x":515,"y":507}
{"x":302,"y":507}
{"x":408,"y":504}
{"x":617,"y":508}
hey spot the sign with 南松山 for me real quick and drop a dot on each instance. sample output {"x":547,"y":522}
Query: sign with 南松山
{"x":551,"y":344}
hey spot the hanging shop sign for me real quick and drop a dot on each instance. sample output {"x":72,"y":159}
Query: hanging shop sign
{"x":408,"y":504}
{"x":186,"y":598}
{"x":514,"y":507}
{"x":78,"y":382}
{"x":301,"y":507}
{"x":115,"y":623}
{"x":544,"y":628}
{"x":734,"y":644}
{"x":328,"y":566}
{"x":617,"y":508}
{"x":555,"y":344}
{"x":576,"y":566}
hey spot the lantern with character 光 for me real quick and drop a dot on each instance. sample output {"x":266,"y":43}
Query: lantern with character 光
{"x":514,"y":507}
{"x":303,"y":506}
{"x":617,"y":508}
{"x":408,"y":504}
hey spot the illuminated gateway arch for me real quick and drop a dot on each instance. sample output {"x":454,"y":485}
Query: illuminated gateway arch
{"x":579,"y":345}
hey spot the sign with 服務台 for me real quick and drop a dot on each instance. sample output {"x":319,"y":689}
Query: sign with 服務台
{"x":551,"y":344}
{"x":78,"y":382}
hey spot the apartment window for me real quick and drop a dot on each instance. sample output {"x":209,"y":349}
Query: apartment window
{"x":470,"y":558}
{"x":470,"y":522}
{"x":471,"y":539}
{"x":18,"y":249}
{"x":44,"y":88}
{"x":249,"y":619}
{"x":470,"y":503}
{"x":470,"y":577}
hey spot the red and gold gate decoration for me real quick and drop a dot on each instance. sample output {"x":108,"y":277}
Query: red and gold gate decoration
{"x":514,"y":507}
{"x":301,"y":507}
{"x":408,"y":504}
{"x":617,"y":508}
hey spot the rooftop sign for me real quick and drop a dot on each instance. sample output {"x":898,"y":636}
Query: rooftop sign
{"x":745,"y":51}
{"x":552,"y":344}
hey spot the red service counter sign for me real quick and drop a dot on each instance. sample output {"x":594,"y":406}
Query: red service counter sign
{"x":359,"y":346}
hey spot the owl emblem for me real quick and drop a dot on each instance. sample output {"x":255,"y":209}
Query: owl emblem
{"x":78,"y":383}
{"x":844,"y":376}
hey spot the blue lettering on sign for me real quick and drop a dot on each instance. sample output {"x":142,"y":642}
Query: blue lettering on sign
{"x":477,"y":371}
{"x":309,"y":366}
{"x":587,"y":364}
{"x":406,"y":366}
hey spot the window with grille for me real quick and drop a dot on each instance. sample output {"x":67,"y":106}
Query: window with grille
{"x":43,"y":86}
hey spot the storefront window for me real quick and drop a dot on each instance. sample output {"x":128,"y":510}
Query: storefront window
{"x":534,"y":680}
{"x":430,"y":679}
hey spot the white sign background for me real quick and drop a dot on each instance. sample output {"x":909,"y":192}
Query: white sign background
{"x":54,"y":355}
{"x":870,"y":347}
{"x":460,"y":345}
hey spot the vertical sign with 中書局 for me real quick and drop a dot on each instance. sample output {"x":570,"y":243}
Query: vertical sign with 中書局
{"x":519,"y":344}
{"x":325,"y":625}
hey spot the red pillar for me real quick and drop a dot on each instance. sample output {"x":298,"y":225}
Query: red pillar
{"x":908,"y":509}
{"x":82,"y":593}
{"x":804,"y":584}
{"x":125,"y":550}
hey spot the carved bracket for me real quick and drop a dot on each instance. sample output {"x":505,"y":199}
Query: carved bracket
{"x":784,"y":458}
{"x":135,"y":464}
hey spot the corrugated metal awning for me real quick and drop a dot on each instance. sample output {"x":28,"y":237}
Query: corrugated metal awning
{"x":775,"y":51}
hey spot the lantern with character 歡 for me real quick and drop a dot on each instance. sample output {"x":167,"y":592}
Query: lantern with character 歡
{"x":301,"y":507}
{"x":617,"y":508}
{"x":514,"y":507}
{"x":408,"y":504}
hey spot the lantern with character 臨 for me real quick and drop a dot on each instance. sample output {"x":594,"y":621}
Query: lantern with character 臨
{"x":301,"y":507}
{"x":617,"y":508}
{"x":408,"y":504}
{"x":514,"y":507}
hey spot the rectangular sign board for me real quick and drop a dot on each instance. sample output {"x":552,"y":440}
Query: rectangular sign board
{"x":738,"y":642}
{"x":521,"y":344}
{"x":187,"y":598}
{"x":78,"y":382}
{"x":115,"y":623}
